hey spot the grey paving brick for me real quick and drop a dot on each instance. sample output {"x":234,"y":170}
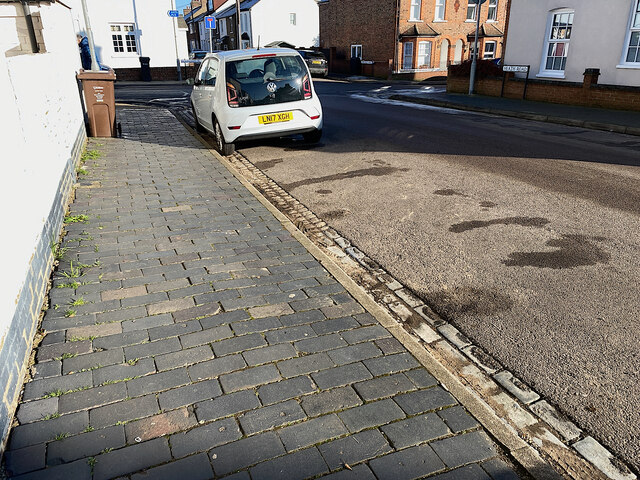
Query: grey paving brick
{"x":122,"y":315}
{"x":425,"y":400}
{"x":365,"y":334}
{"x":304,"y":365}
{"x":354,"y":353}
{"x":205,"y":437}
{"x":269,"y":354}
{"x":147,"y":322}
{"x":253,"y":326}
{"x":330,"y":401}
{"x":243,"y":302}
{"x":302,"y":318}
{"x":344,"y":375}
{"x":93,"y":397}
{"x":150,"y":349}
{"x":226,"y":405}
{"x":57,"y":350}
{"x":222,"y":318}
{"x":311,"y":303}
{"x":371,"y":415}
{"x":389,"y":346}
{"x":197,"y":313}
{"x":289,"y":334}
{"x":25,"y":459}
{"x":174,"y":330}
{"x":123,"y":411}
{"x":159,"y":425}
{"x":37,"y":410}
{"x":343,"y":310}
{"x":120,"y":372}
{"x":189,"y":394}
{"x":41,"y":387}
{"x":320,"y":344}
{"x":92,"y":360}
{"x":167,"y":285}
{"x":157,"y":382}
{"x":499,"y":470}
{"x":266,"y":418}
{"x":384,"y":387}
{"x":334,"y":325}
{"x":206,"y":336}
{"x":360,"y":472}
{"x":421,"y":378}
{"x":354,"y":449}
{"x":468,"y":472}
{"x":285,"y":390}
{"x":85,"y":445}
{"x":79,"y":470}
{"x":184,"y":357}
{"x":121,"y":339}
{"x":310,"y":432}
{"x":416,"y":430}
{"x":38,"y":432}
{"x":465,"y":448}
{"x":458,"y":419}
{"x":285,"y":297}
{"x":294,"y":466}
{"x":48,"y":369}
{"x":131,"y":459}
{"x":147,"y":299}
{"x":324,"y":290}
{"x":414,"y":462}
{"x":216,"y":367}
{"x":195,"y":467}
{"x":238,"y":344}
{"x":246,"y":452}
{"x":391,"y":364}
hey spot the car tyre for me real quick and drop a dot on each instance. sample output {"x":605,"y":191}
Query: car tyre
{"x":221,"y":145}
{"x":312,"y":137}
{"x":199,"y":127}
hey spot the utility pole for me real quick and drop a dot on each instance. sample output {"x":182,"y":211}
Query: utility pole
{"x":175,"y":41}
{"x":474,"y":62}
{"x":238,"y":33}
{"x":92,"y":48}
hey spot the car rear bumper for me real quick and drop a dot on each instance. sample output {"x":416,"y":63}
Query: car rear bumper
{"x":261,"y":136}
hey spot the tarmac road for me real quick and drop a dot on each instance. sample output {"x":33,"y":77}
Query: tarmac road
{"x":522,"y":234}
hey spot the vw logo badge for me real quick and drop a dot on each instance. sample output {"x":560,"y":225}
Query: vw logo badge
{"x":272,"y":87}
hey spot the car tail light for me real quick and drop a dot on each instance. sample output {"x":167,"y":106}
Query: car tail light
{"x":235,"y":127}
{"x":306,"y":87}
{"x":232,"y":95}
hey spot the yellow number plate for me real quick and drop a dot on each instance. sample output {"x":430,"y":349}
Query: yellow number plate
{"x":275,"y":118}
{"x":315,"y":62}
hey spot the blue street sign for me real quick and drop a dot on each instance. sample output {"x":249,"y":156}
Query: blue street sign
{"x":173,"y":13}
{"x":210,"y":23}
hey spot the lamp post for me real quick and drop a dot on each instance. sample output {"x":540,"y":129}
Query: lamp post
{"x":474,"y":61}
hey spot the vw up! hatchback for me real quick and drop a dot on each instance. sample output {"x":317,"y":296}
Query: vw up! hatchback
{"x":252,"y":94}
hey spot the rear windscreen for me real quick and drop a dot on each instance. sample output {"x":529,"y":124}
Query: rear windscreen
{"x":264,"y":81}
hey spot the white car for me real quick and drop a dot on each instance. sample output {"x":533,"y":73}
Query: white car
{"x":251,"y":94}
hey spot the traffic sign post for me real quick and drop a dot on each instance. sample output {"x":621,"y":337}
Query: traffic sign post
{"x":474,"y":62}
{"x":519,"y":69}
{"x":210,"y":24}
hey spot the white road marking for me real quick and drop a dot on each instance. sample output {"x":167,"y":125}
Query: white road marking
{"x":418,"y":106}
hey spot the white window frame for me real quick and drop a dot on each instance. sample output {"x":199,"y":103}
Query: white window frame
{"x":422,"y":54}
{"x":632,"y":28}
{"x":549,"y":42}
{"x":440,"y":11}
{"x":474,"y":6}
{"x":493,"y":51}
{"x":356,"y":51}
{"x":492,"y":11}
{"x":126,"y":36}
{"x":292,"y":19}
{"x":405,"y":56}
{"x":222,"y":26}
{"x":415,"y":7}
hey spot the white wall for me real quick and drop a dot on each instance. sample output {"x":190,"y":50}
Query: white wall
{"x":155,"y":31}
{"x":39,"y":124}
{"x":598,"y":39}
{"x":270,"y":20}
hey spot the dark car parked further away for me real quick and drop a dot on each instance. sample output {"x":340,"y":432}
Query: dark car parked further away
{"x":316,"y":61}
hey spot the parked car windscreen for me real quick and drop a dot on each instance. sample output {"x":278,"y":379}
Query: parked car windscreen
{"x":266,"y":80}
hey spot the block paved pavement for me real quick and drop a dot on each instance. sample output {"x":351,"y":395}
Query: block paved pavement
{"x":189,"y":334}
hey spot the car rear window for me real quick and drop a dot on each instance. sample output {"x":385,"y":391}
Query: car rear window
{"x":315,"y":55}
{"x":267,"y":80}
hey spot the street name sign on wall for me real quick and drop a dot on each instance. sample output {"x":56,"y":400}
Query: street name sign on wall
{"x":210,"y":23}
{"x":515,"y":68}
{"x":173,"y":13}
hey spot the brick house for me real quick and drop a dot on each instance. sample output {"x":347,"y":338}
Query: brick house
{"x":417,"y":39}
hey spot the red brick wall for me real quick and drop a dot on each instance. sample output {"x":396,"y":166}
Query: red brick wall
{"x":370,"y":23}
{"x":604,"y":96}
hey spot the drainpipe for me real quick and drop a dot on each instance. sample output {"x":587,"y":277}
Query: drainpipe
{"x":396,"y":37}
{"x":238,"y":33}
{"x":92,"y":47}
{"x":35,"y":48}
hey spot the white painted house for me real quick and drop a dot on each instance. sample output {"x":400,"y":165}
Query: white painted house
{"x":293,"y":21}
{"x":42,"y":134}
{"x":125,"y":30}
{"x":560,"y":39}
